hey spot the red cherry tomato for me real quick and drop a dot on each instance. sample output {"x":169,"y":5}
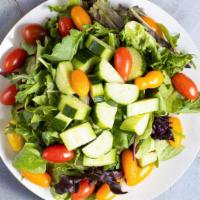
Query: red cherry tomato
{"x":65,"y":25}
{"x":85,"y":190}
{"x":57,"y":154}
{"x":8,"y":95}
{"x":123,"y":62}
{"x":185,"y":86}
{"x":14,"y":59}
{"x":33,"y":32}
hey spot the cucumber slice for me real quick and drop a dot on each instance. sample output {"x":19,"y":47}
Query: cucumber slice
{"x":63,"y":72}
{"x":122,"y":93}
{"x":100,"y":146}
{"x":136,"y":124}
{"x":107,"y":72}
{"x":148,"y":159}
{"x":99,"y":48}
{"x":73,"y":108}
{"x":104,"y":115}
{"x":60,"y":122}
{"x":107,"y":159}
{"x":94,"y":79}
{"x":97,"y":93}
{"x":139,"y":65}
{"x":143,"y":106}
{"x":78,"y":136}
{"x":84,"y":60}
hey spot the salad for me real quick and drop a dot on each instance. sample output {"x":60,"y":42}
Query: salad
{"x":95,"y":93}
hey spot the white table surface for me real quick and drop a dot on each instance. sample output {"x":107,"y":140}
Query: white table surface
{"x":187,"y":12}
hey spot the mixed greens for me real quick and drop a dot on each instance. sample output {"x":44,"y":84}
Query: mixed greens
{"x":96,"y":95}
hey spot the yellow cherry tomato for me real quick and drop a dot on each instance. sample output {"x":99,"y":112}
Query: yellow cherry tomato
{"x":176,"y":128}
{"x":43,"y":180}
{"x":104,"y":193}
{"x":130,"y":167}
{"x":153,"y":25}
{"x":151,"y":80}
{"x":16,"y":141}
{"x":80,"y":83}
{"x":80,"y":17}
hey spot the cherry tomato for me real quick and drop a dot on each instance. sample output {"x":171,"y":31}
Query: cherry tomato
{"x":123,"y":62}
{"x":57,"y":154}
{"x":153,"y":25}
{"x":42,"y":180}
{"x":85,"y":190}
{"x":177,"y":129}
{"x":14,"y":59}
{"x":185,"y":86}
{"x":152,"y":79}
{"x":16,"y":141}
{"x":80,"y":17}
{"x":130,"y":167}
{"x":33,"y":32}
{"x":8,"y":95}
{"x":65,"y":25}
{"x":104,"y":193}
{"x":80,"y":83}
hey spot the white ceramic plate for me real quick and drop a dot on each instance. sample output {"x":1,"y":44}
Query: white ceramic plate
{"x":169,"y":172}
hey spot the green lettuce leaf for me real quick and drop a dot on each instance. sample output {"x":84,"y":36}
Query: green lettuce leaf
{"x":29,"y":159}
{"x":67,"y":48}
{"x":30,"y":49}
{"x":65,"y":196}
{"x":50,"y":137}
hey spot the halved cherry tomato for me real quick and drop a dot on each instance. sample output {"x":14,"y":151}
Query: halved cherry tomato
{"x":33,"y":32}
{"x":80,"y":17}
{"x":80,"y":83}
{"x":153,"y":25}
{"x":104,"y":193}
{"x":123,"y":62}
{"x":85,"y":190}
{"x":65,"y":25}
{"x":14,"y":59}
{"x":177,"y":129}
{"x":43,"y":180}
{"x":185,"y":86}
{"x":130,"y":167}
{"x":8,"y":95}
{"x":16,"y":141}
{"x":57,"y":154}
{"x":152,"y":79}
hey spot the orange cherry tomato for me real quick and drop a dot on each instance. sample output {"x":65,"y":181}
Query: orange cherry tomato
{"x":175,"y":123}
{"x":16,"y":141}
{"x":104,"y":193}
{"x":85,"y":190}
{"x":80,"y":83}
{"x":153,"y":25}
{"x":43,"y":180}
{"x":151,"y":80}
{"x":64,"y":25}
{"x":123,"y":62}
{"x":185,"y":86}
{"x":80,"y":17}
{"x":130,"y":167}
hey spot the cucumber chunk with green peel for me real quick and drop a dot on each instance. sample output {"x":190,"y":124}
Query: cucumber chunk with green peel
{"x":73,"y":107}
{"x":104,"y":115}
{"x":99,"y":48}
{"x":63,"y":72}
{"x":136,"y":124}
{"x":78,"y":135}
{"x":139,"y":65}
{"x":97,"y":92}
{"x":107,"y":72}
{"x":148,"y":159}
{"x":100,"y":146}
{"x":84,"y":60}
{"x":143,"y":106}
{"x":123,"y":94}
{"x":107,"y":159}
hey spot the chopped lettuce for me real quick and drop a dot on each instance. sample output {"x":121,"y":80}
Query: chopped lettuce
{"x":29,"y":159}
{"x":50,"y":137}
{"x":30,"y":49}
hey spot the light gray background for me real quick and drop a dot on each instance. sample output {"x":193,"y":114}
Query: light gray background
{"x":187,"y":12}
